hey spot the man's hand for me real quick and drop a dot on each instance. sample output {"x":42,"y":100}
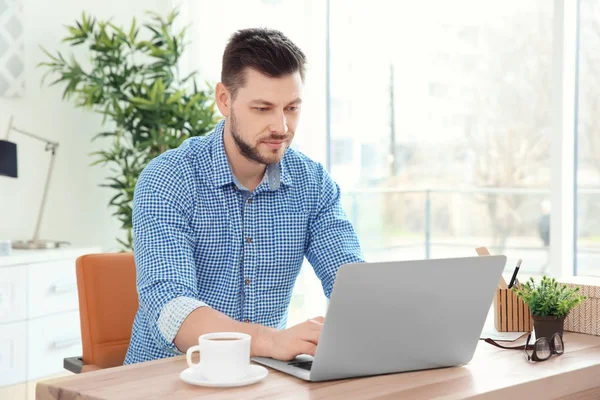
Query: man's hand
{"x":300,"y":339}
{"x":266,"y":341}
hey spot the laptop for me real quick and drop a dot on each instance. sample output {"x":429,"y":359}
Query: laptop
{"x":389,"y":317}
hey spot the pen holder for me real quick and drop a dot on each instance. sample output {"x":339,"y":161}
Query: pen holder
{"x":510,"y":313}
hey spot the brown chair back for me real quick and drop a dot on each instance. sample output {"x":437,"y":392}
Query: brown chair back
{"x":108,"y":303}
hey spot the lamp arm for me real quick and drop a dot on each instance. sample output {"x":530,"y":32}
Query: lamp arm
{"x":50,"y":146}
{"x":36,"y":235}
{"x":10,"y":124}
{"x":49,"y":143}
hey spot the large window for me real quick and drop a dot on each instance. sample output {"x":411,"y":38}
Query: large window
{"x":588,"y":161}
{"x":444,"y":109}
{"x":441,"y":119}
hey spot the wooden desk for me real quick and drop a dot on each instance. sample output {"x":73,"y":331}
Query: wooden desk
{"x":492,"y":374}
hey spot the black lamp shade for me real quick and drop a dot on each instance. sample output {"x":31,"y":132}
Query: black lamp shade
{"x":8,"y":158}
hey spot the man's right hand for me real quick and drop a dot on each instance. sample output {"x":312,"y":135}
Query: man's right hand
{"x":303,"y":338}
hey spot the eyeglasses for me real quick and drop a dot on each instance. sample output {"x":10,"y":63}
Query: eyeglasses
{"x":541,"y":350}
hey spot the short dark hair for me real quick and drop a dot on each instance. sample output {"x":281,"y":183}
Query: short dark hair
{"x":267,"y":51}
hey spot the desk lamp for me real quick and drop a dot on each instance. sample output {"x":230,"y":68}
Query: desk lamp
{"x":9,"y":167}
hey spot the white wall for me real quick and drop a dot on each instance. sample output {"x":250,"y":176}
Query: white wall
{"x":76,"y":209}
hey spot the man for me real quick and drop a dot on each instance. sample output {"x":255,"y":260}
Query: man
{"x":222,"y":223}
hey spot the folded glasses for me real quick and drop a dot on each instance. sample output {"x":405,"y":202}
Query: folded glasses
{"x":541,"y":350}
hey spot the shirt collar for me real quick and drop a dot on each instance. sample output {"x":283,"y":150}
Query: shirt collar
{"x":276,"y":174}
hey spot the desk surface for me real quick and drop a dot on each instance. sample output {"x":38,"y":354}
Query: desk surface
{"x":492,"y":374}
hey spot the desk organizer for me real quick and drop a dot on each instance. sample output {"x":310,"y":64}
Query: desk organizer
{"x":510,"y":313}
{"x":585,"y":318}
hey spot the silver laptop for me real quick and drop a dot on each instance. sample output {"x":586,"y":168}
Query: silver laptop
{"x":392,"y":317}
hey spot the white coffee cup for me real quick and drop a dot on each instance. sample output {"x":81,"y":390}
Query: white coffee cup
{"x":224,"y":356}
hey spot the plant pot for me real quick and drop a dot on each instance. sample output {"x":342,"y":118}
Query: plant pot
{"x":547,"y":326}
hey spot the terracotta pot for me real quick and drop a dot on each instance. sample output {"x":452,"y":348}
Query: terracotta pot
{"x":547,"y":326}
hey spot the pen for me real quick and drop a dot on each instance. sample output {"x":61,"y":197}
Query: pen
{"x":514,"y":275}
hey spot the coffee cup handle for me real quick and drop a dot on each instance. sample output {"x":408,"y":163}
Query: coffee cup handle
{"x":188,"y":355}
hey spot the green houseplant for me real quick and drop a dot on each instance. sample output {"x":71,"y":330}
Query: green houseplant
{"x":132,"y":79}
{"x":549,"y":302}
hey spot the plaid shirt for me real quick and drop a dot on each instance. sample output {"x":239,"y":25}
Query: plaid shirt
{"x":201,"y":239}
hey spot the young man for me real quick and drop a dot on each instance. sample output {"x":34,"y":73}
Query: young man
{"x":222,"y":223}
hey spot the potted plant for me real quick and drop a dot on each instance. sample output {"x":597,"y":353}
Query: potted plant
{"x":549,"y":302}
{"x":131,"y":77}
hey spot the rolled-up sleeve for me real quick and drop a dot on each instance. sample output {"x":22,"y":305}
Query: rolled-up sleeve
{"x":163,"y":247}
{"x":333,"y":241}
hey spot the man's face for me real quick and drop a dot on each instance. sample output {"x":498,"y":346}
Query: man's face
{"x":264,"y":115}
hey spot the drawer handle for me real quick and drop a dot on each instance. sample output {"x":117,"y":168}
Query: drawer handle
{"x":64,"y":343}
{"x":58,"y":288}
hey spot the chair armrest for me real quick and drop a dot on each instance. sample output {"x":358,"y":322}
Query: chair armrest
{"x":90,"y":368}
{"x":73,"y":364}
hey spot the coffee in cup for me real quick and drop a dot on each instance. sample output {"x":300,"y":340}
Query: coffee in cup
{"x":224,"y":356}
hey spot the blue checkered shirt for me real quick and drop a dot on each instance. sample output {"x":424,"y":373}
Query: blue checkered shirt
{"x":201,"y":239}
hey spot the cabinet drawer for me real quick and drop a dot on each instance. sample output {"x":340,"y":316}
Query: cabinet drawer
{"x":50,"y":340}
{"x":12,"y":353}
{"x":52,"y":288}
{"x":13,"y":284}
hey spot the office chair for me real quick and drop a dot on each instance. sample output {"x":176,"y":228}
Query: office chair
{"x":108,"y":303}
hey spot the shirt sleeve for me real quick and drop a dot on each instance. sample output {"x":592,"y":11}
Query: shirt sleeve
{"x":167,"y":280}
{"x":332,"y":241}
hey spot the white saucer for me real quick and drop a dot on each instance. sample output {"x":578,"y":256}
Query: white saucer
{"x":255,"y":373}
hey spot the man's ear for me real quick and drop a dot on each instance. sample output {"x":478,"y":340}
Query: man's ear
{"x":223,"y":99}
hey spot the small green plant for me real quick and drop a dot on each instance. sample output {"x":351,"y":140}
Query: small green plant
{"x":548,"y":298}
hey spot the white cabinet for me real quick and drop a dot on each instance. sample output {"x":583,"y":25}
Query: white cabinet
{"x":39,"y":313}
{"x":49,"y":341}
{"x":12,"y":353}
{"x":13,"y":294}
{"x":52,"y":288}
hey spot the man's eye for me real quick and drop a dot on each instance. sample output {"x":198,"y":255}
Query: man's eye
{"x":293,"y":109}
{"x":261,"y":109}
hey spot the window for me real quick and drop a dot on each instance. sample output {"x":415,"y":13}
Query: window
{"x":588,"y":154}
{"x":440,"y":123}
{"x":342,"y":151}
{"x":450,"y":106}
{"x":437,"y":89}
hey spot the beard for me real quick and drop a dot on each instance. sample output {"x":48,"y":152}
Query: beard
{"x":252,"y":152}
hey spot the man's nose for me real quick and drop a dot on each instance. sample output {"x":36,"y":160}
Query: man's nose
{"x":279,"y":123}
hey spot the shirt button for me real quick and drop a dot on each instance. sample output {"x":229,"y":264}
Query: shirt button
{"x":247,"y":320}
{"x":249,"y":201}
{"x":247,"y":281}
{"x":248,"y":240}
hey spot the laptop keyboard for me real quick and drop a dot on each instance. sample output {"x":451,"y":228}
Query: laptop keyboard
{"x":302,"y":364}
